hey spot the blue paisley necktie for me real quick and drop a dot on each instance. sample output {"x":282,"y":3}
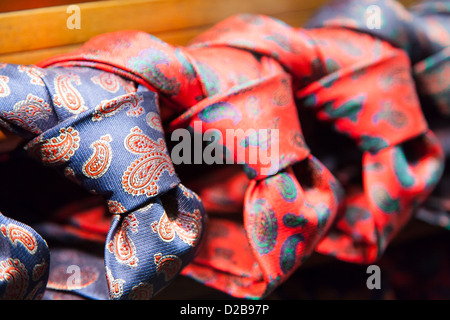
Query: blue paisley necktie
{"x":104,"y":133}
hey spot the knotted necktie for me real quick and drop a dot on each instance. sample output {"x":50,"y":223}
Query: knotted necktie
{"x":423,"y":32}
{"x":105,"y":134}
{"x":285,"y":212}
{"x":214,"y":78}
{"x":401,"y":159}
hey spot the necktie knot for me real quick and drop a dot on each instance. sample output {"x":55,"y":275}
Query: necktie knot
{"x":378,"y":117}
{"x":102,"y":132}
{"x":252,"y":121}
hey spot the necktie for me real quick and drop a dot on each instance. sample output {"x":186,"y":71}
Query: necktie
{"x":24,"y":261}
{"x":209,"y":79}
{"x":283,"y":217}
{"x":105,"y":134}
{"x":423,"y":33}
{"x":325,"y":64}
{"x":212,"y":80}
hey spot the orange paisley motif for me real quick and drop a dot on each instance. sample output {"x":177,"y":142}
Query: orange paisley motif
{"x":122,"y":246}
{"x":168,"y":265}
{"x":108,"y":108}
{"x":67,"y":95}
{"x":187,"y":226}
{"x":18,"y":235}
{"x":59,"y":149}
{"x":14,"y":273}
{"x":99,"y":162}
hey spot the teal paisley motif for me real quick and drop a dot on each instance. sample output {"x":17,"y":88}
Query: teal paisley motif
{"x":310,"y":101}
{"x":249,"y":171}
{"x":372,"y":144}
{"x":292,"y":220}
{"x":288,"y":255}
{"x":383,"y":199}
{"x":285,"y":186}
{"x":348,"y":47}
{"x":187,"y":71}
{"x":401,"y":169}
{"x":323,"y":214}
{"x":253,"y":107}
{"x":331,"y":65}
{"x":354,"y":214}
{"x":209,"y":78}
{"x":147,"y":63}
{"x":282,"y":41}
{"x":436,"y":170}
{"x":220,"y":111}
{"x":260,"y":139}
{"x":395,"y":118}
{"x":349,"y":109}
{"x":264,"y":230}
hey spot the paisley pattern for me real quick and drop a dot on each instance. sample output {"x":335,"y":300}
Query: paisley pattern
{"x":402,"y":170}
{"x":264,"y":226}
{"x":150,"y":61}
{"x":107,"y":81}
{"x":142,"y":175}
{"x":168,"y":265}
{"x":34,"y":73}
{"x":18,"y":235}
{"x":26,"y":112}
{"x":67,"y":96}
{"x":115,"y":207}
{"x":138,"y":143}
{"x":109,"y":108}
{"x":15,"y":275}
{"x":220,"y":111}
{"x":115,"y":285}
{"x":349,"y":110}
{"x":394,"y":117}
{"x":122,"y":246}
{"x":187,"y":226}
{"x":4,"y":88}
{"x":57,"y":150}
{"x":285,"y":186}
{"x":142,"y":291}
{"x":288,"y":252}
{"x":154,"y":121}
{"x":98,"y":163}
{"x":384,"y":201}
{"x":357,"y":80}
{"x":114,"y":152}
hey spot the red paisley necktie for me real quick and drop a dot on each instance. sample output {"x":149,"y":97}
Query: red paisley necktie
{"x":326,"y":64}
{"x":234,"y":76}
{"x":423,"y":32}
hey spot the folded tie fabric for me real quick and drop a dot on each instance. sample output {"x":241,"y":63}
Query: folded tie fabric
{"x":99,"y":115}
{"x":24,"y":261}
{"x":104,"y":133}
{"x":242,"y":74}
{"x":423,"y":32}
